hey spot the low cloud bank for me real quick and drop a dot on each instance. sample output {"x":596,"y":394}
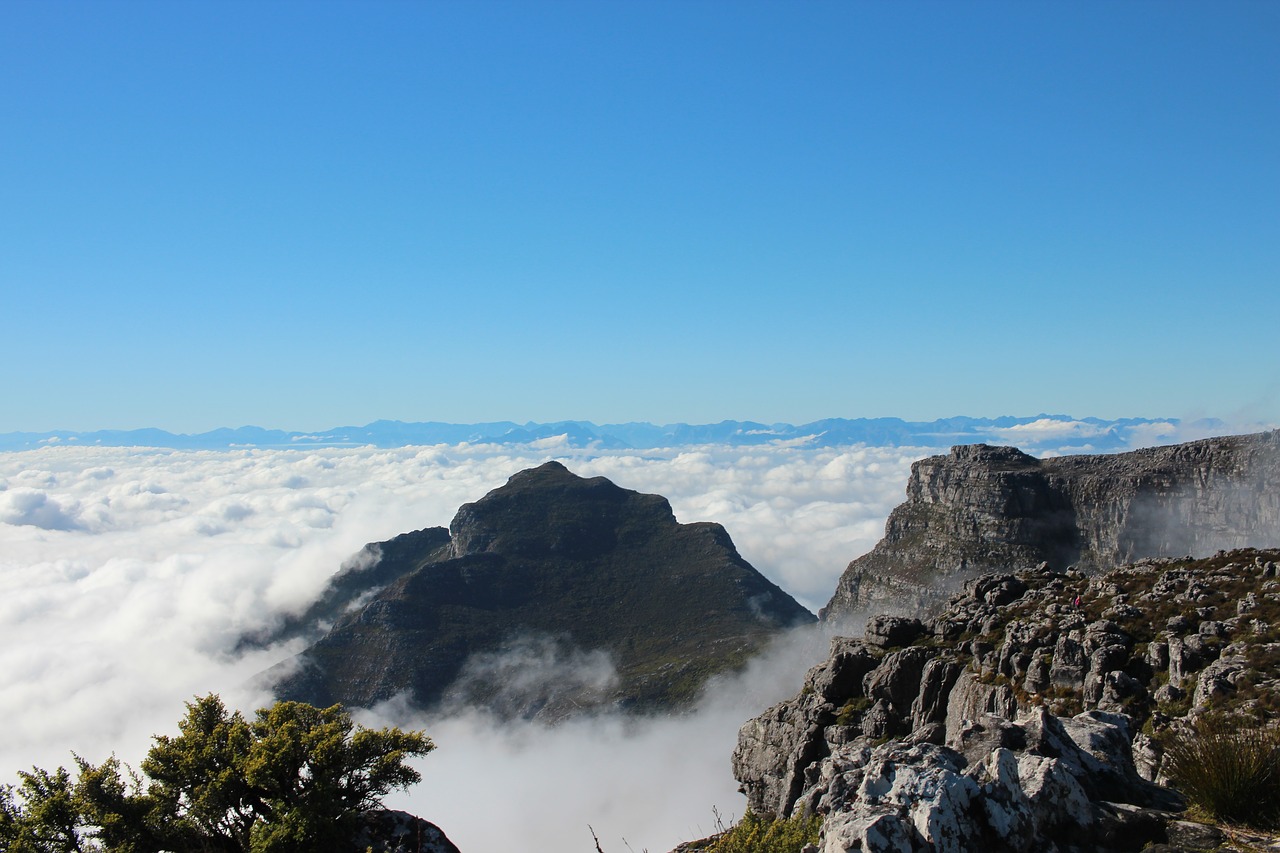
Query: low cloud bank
{"x":127,"y":576}
{"x":645,"y":784}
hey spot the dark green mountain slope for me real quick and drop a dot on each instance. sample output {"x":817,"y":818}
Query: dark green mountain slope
{"x":551,"y":594}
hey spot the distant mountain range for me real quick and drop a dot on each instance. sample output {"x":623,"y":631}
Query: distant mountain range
{"x":1031,"y":433}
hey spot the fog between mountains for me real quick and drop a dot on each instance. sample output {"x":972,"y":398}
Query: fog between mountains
{"x":127,"y":575}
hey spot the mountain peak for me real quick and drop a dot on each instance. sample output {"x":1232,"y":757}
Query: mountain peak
{"x":555,"y":571}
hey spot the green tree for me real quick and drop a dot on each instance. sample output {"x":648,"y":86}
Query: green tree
{"x":198,"y":779}
{"x":294,"y":779}
{"x":48,"y":818}
{"x":317,"y":774}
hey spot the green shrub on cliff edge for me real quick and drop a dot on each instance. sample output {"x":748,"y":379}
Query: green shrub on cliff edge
{"x":755,"y":834}
{"x":1228,"y":769}
{"x":295,"y":779}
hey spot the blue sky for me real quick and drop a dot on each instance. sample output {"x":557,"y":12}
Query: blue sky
{"x":300,"y":215}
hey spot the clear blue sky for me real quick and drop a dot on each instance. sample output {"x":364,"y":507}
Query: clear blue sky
{"x":300,"y":215}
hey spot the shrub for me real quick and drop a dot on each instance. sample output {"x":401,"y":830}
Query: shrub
{"x":755,"y":834}
{"x":293,"y":780}
{"x":851,"y":712}
{"x":1228,"y":768}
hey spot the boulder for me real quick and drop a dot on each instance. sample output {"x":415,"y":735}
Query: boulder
{"x":774,"y":750}
{"x":1037,"y":784}
{"x":971,"y":699}
{"x":893,"y":631}
{"x":390,"y":831}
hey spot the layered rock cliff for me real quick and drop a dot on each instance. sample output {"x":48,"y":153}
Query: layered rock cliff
{"x":982,"y":508}
{"x":550,"y":595}
{"x":1028,"y":715}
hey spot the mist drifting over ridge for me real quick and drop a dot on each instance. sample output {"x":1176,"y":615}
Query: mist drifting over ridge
{"x":127,"y":575}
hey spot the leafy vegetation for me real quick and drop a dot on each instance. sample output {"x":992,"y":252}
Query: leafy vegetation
{"x":851,"y":712}
{"x":756,"y":834}
{"x":296,"y":778}
{"x":1228,"y":771}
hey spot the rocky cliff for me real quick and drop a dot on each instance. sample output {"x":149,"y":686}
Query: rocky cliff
{"x":550,"y":595}
{"x":982,"y":508}
{"x":1028,"y":715}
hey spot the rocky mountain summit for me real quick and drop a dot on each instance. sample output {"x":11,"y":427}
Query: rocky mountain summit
{"x":983,"y":508}
{"x":550,"y":595}
{"x":1040,"y":710}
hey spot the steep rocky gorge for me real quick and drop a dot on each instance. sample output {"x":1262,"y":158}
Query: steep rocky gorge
{"x":982,"y":508}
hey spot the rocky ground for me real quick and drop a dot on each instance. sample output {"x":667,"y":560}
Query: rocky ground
{"x":390,"y":831}
{"x":1030,"y":714}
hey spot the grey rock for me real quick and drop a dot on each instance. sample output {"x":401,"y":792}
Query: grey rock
{"x":1119,"y":691}
{"x":996,"y":589}
{"x":893,"y":631}
{"x":880,"y":721}
{"x":1123,"y":826}
{"x":936,"y":680}
{"x":983,"y":509}
{"x":390,"y":831}
{"x":896,"y":680}
{"x":1038,"y":675}
{"x":1104,"y":660}
{"x":1147,"y":757}
{"x":1008,"y":795}
{"x":965,"y":695}
{"x":1210,"y":628}
{"x":979,"y":737}
{"x":1194,"y":836}
{"x":841,"y":675}
{"x":1158,"y":655}
{"x":1218,"y":680}
{"x":1187,"y":655}
{"x":774,"y":750}
{"x":971,"y":699}
{"x":1069,"y":662}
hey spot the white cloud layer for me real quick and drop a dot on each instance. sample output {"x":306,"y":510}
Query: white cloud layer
{"x":127,"y":575}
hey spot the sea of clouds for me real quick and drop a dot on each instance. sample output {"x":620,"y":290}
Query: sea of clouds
{"x":127,"y":576}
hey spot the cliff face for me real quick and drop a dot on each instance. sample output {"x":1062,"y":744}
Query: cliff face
{"x":550,"y":595}
{"x":984,"y":508}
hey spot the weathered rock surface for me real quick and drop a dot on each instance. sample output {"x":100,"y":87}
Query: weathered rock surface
{"x":981,"y":508}
{"x":1016,"y":719}
{"x":551,"y":595}
{"x":390,"y":831}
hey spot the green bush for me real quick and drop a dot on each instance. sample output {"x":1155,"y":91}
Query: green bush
{"x":293,"y":780}
{"x":755,"y":834}
{"x":1228,"y":768}
{"x":851,"y":712}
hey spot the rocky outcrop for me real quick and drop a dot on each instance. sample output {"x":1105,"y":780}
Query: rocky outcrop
{"x":551,"y":595}
{"x":1027,"y":714}
{"x":390,"y":831}
{"x":1046,"y":791}
{"x":982,"y":508}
